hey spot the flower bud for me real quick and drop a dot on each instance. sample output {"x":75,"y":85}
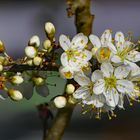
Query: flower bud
{"x":30,"y":62}
{"x":2,"y":59}
{"x":38,"y":81}
{"x":70,"y":89}
{"x":2,"y":47}
{"x":47,"y":45}
{"x":17,"y":79}
{"x":30,"y":51}
{"x":37,"y":60}
{"x":1,"y":67}
{"x":72,"y":100}
{"x":15,"y":94}
{"x":6,"y":61}
{"x":50,"y":29}
{"x":60,"y":102}
{"x":34,"y":41}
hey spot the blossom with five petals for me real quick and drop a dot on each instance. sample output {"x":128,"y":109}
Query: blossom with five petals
{"x":75,"y":56}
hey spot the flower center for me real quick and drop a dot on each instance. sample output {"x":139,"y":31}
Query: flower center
{"x":110,"y":82}
{"x":124,"y":52}
{"x":71,"y":53}
{"x":68,"y":74}
{"x":104,"y":53}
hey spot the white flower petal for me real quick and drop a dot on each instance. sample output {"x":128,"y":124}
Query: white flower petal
{"x":96,"y":75}
{"x":119,"y":40}
{"x":127,"y":44}
{"x":106,"y":37}
{"x":112,"y":47}
{"x":79,"y":41}
{"x":112,"y":97}
{"x":116,"y":59}
{"x":122,"y":72}
{"x":135,"y":69}
{"x":87,"y":55}
{"x":99,"y":87}
{"x":81,"y":93}
{"x":88,"y":100}
{"x":133,"y":56}
{"x":95,"y":41}
{"x":135,"y":94}
{"x":98,"y":100}
{"x":81,"y":79}
{"x":107,"y":69}
{"x":125,"y":86}
{"x":64,"y":42}
{"x":121,"y":101}
{"x":64,"y":59}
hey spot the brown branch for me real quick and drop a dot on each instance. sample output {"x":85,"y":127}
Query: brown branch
{"x":83,"y":17}
{"x":83,"y":20}
{"x":61,"y":121}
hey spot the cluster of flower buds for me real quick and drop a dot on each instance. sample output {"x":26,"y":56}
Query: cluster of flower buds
{"x":17,"y":78}
{"x":36,"y":55}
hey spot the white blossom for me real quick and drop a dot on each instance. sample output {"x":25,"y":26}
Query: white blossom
{"x":75,"y":55}
{"x":112,"y":82}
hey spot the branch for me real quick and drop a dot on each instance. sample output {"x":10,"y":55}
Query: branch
{"x":83,"y":20}
{"x":61,"y":121}
{"x":83,"y":17}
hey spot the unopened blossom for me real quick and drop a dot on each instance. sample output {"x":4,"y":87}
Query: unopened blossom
{"x":112,"y":83}
{"x":47,"y":45}
{"x":50,"y":30}
{"x":75,"y":55}
{"x":15,"y":94}
{"x":37,"y":60}
{"x":1,"y":67}
{"x":60,"y":101}
{"x":34,"y":41}
{"x":30,"y":51}
{"x":17,"y":79}
{"x":70,"y":88}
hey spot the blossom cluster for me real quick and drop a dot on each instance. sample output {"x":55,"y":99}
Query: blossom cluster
{"x":105,"y":69}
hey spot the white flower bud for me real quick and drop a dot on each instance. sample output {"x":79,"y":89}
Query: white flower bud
{"x":70,"y":89}
{"x":2,"y":59}
{"x":47,"y":45}
{"x":17,"y":79}
{"x":15,"y":94}
{"x":60,"y":102}
{"x":34,"y":41}
{"x":30,"y":51}
{"x":1,"y":67}
{"x":38,"y":80}
{"x":50,"y":29}
{"x":37,"y":60}
{"x":29,"y":62}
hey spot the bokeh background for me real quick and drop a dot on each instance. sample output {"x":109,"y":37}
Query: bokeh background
{"x":19,"y":20}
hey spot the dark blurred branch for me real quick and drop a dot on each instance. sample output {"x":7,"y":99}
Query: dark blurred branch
{"x":83,"y":20}
{"x":83,"y":17}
